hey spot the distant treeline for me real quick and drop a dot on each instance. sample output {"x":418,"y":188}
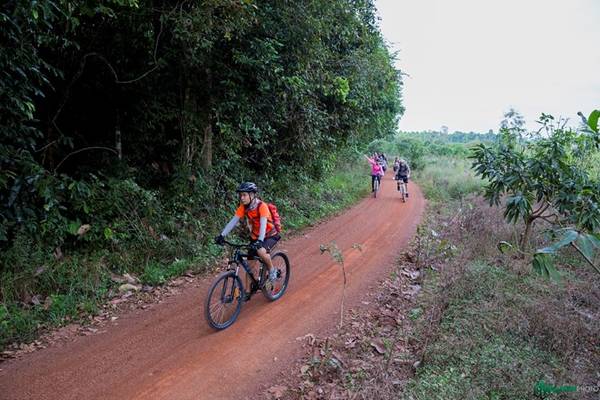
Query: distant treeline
{"x":455,"y":137}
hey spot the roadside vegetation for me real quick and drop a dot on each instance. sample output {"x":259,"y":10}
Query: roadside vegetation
{"x":465,"y":315}
{"x":125,"y":128}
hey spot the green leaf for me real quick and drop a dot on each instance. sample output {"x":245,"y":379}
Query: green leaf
{"x":586,"y":245}
{"x":569,"y":237}
{"x":593,"y":120}
{"x":504,"y":246}
{"x":108,"y":233}
{"x":543,"y":264}
{"x":73,"y":227}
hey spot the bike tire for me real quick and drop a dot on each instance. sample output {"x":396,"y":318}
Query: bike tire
{"x":376,"y":188}
{"x":223,"y":291}
{"x":274,"y":291}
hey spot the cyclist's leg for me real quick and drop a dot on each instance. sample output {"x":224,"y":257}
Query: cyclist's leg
{"x":406,"y":186}
{"x":263,"y":252}
{"x":373,"y":177}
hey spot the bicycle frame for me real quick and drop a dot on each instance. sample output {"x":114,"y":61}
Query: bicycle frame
{"x":238,"y":258}
{"x":403,"y":189}
{"x":376,"y":184}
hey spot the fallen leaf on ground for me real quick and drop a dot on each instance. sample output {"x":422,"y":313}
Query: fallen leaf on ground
{"x":277,"y":391}
{"x":128,"y":286}
{"x":378,"y":345}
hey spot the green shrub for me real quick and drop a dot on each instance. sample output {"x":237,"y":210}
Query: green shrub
{"x":446,"y":179}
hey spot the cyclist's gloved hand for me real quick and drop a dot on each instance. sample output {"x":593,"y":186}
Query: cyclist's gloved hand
{"x":220,"y":240}
{"x":257,"y":244}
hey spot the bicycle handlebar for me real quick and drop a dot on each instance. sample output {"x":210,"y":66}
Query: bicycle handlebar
{"x":238,"y":245}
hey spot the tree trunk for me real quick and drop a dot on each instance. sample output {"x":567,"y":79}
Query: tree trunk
{"x":207,"y":140}
{"x":197,"y":122}
{"x":118,"y":137}
{"x":206,"y":153}
{"x":190,"y":142}
{"x":527,"y":233}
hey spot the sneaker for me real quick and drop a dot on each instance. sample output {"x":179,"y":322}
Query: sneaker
{"x":273,"y":274}
{"x":406,"y":194}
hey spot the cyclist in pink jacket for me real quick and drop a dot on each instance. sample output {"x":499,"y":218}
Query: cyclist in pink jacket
{"x":376,"y":171}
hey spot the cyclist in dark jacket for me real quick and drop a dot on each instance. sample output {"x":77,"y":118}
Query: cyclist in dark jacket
{"x":402,"y":174}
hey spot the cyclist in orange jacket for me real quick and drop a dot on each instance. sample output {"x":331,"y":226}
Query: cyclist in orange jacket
{"x":260,"y":222}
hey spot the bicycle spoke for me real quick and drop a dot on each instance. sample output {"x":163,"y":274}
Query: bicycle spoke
{"x":224,"y":301}
{"x":217,"y":310}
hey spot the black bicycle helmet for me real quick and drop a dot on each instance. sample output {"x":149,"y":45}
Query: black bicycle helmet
{"x":248,"y":187}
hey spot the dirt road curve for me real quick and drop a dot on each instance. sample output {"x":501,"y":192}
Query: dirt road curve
{"x":169,"y":352}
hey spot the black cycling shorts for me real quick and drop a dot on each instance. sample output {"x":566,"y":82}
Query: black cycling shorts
{"x":402,"y":178}
{"x":268,"y":244}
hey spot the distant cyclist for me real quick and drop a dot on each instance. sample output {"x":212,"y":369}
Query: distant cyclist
{"x":383,"y":162}
{"x":396,"y":164}
{"x":260,"y":222}
{"x":376,"y":170}
{"x":402,"y":174}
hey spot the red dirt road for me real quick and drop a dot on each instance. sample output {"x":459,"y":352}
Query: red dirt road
{"x":169,"y":352}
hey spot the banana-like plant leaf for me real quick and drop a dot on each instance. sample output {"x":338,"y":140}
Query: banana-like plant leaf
{"x":543,"y":264}
{"x":569,"y":237}
{"x":593,"y":120}
{"x":586,"y":245}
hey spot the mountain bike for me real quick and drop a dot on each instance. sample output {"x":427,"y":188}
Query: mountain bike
{"x":376,"y":185}
{"x":227,"y":293}
{"x":402,"y":190}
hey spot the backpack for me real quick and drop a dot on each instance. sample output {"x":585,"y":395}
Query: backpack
{"x":275,"y":216}
{"x":402,"y":169}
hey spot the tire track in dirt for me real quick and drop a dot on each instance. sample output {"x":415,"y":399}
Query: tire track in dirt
{"x":169,"y":352}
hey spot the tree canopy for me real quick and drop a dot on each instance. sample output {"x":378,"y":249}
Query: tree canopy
{"x":159,"y":91}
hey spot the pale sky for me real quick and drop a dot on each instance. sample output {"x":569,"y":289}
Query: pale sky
{"x":469,"y":61}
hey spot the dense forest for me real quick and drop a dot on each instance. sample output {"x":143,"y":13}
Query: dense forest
{"x":126,"y":125}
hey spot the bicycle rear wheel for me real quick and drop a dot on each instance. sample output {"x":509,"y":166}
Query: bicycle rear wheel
{"x":274,"y":290}
{"x":224,"y":300}
{"x":375,"y":187}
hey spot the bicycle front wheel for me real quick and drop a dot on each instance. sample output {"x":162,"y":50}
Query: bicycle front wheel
{"x":224,"y":300}
{"x":273,"y":290}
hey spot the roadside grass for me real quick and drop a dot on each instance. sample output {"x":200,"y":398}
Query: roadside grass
{"x":481,"y":348}
{"x":310,"y":201}
{"x":445,"y":179}
{"x":40,"y":290}
{"x":490,"y":327}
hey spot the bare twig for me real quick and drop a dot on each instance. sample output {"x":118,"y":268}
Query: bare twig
{"x":538,"y":213}
{"x":586,"y":257}
{"x":46,"y":146}
{"x":82,"y":65}
{"x":81,"y":150}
